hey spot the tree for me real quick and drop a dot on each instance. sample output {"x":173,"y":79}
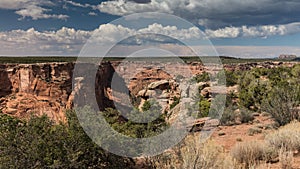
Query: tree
{"x":283,"y":102}
{"x":203,"y":77}
{"x":39,"y":143}
{"x":252,"y":90}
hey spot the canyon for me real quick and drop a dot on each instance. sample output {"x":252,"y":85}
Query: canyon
{"x":50,"y":88}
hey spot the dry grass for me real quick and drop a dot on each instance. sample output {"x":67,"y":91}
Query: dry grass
{"x":286,"y":158}
{"x":202,"y":155}
{"x":280,"y":143}
{"x":287,"y":137}
{"x":254,"y":130}
{"x":194,"y":154}
{"x":250,"y":153}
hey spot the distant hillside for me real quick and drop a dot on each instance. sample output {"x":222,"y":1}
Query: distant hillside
{"x":297,"y":59}
{"x":45,"y":59}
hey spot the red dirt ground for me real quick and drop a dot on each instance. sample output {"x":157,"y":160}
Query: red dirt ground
{"x":239,"y":133}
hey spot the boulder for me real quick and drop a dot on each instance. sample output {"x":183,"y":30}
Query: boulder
{"x":11,"y":111}
{"x":162,"y":84}
{"x":13,"y":105}
{"x":164,"y":95}
{"x":202,"y":85}
{"x":146,"y":93}
{"x":205,"y":92}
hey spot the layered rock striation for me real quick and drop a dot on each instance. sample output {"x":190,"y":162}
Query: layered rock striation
{"x":50,"y":88}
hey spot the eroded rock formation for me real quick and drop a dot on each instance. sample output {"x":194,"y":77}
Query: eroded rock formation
{"x":46,"y":88}
{"x":36,"y":88}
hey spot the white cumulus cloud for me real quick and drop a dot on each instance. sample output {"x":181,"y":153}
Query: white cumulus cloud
{"x":31,"y":8}
{"x":254,"y":31}
{"x":33,"y":42}
{"x":86,"y":5}
{"x":18,"y":4}
{"x":92,"y":14}
{"x":36,"y":12}
{"x":214,"y":14}
{"x":157,"y":33}
{"x":70,"y":41}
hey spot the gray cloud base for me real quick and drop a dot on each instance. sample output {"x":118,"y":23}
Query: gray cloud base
{"x":214,"y":14}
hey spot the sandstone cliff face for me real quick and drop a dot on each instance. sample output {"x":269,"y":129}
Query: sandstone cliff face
{"x":91,"y":85}
{"x":36,"y":88}
{"x":47,"y":88}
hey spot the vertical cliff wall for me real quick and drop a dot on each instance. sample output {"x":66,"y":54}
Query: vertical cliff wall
{"x":36,"y":88}
{"x":46,"y":88}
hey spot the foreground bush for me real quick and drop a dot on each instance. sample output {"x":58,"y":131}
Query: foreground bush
{"x":229,"y":116}
{"x":246,"y":115}
{"x":256,"y":84}
{"x":286,"y":158}
{"x":287,"y":137}
{"x":252,"y":90}
{"x":279,"y":144}
{"x":283,"y":103}
{"x":252,"y":153}
{"x":193,"y":154}
{"x":38,"y":143}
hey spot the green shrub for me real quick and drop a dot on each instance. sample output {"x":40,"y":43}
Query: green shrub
{"x":204,"y":106}
{"x":283,"y":103}
{"x":201,"y":107}
{"x":203,"y":77}
{"x":231,"y":78}
{"x":176,"y":100}
{"x":254,"y":130}
{"x":146,"y":106}
{"x":246,"y":115}
{"x":252,"y":91}
{"x":229,"y":116}
{"x":296,"y":71}
{"x":279,"y":75}
{"x":245,"y":96}
{"x":133,"y":129}
{"x":39,"y":143}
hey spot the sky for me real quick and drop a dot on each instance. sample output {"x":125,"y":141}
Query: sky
{"x":252,"y":28}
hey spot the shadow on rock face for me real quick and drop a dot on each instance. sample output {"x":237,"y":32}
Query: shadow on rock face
{"x":5,"y":83}
{"x":94,"y":84}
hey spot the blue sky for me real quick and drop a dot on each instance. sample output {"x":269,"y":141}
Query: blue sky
{"x":78,"y":17}
{"x":255,"y":28}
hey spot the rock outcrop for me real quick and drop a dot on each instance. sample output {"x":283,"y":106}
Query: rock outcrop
{"x":36,"y":88}
{"x":46,"y":88}
{"x":163,"y":91}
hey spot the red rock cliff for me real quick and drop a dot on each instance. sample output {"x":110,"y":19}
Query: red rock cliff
{"x":46,"y":88}
{"x":36,"y":88}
